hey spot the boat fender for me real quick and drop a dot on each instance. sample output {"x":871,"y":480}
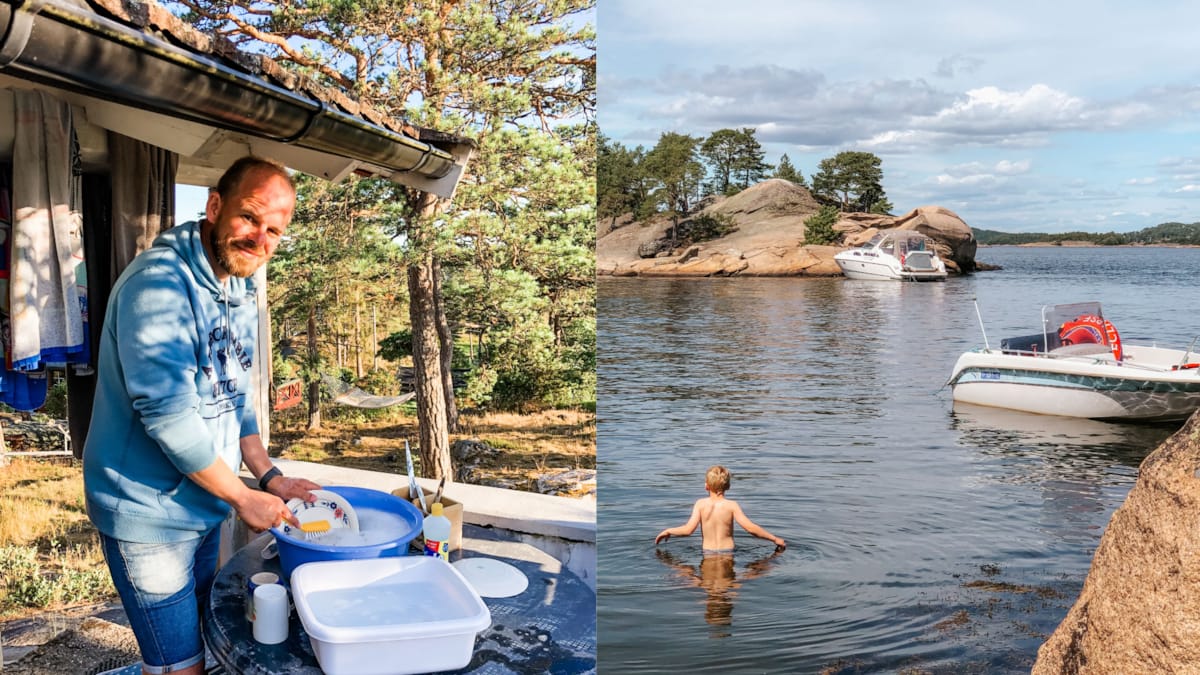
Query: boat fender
{"x":1091,"y":329}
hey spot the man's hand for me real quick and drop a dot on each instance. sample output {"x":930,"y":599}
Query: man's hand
{"x":287,"y":488}
{"x":261,"y":511}
{"x":662,"y":536}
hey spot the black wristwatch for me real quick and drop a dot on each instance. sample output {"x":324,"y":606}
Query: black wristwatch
{"x":266,"y":477}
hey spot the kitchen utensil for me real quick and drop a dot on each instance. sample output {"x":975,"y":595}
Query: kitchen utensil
{"x":412,"y":480}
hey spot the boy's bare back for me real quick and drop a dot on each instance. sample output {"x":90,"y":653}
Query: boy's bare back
{"x":716,"y":521}
{"x":715,"y":515}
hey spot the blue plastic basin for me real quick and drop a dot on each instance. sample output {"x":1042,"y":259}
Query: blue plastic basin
{"x":295,"y":552}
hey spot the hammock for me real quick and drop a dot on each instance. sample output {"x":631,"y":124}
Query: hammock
{"x":347,"y":395}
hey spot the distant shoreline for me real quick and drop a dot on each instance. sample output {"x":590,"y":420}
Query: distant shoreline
{"x":1085,"y":244}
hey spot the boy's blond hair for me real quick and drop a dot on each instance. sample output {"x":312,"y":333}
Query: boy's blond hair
{"x":717,"y":478}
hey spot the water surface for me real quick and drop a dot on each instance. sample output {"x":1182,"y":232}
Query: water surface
{"x":919,"y":535}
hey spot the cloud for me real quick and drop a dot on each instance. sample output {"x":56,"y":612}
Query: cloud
{"x":1145,"y":180}
{"x":991,"y":110}
{"x":1007,"y":168}
{"x":957,"y":64}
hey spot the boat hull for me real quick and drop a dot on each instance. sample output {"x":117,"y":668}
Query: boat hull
{"x":1143,"y":388}
{"x":863,"y":268}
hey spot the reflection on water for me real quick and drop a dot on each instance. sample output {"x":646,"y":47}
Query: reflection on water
{"x":717,"y":576}
{"x":920,"y":535}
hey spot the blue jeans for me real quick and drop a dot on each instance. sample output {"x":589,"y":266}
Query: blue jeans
{"x":164,"y":588}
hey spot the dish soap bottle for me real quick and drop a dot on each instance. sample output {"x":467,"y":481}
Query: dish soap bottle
{"x":437,"y":533}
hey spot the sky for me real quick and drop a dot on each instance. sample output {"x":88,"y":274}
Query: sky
{"x":189,"y":202}
{"x":1018,"y":116}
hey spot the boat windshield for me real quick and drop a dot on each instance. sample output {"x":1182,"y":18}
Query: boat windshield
{"x":1056,"y":317}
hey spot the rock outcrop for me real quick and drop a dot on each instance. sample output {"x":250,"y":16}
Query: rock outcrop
{"x":1139,"y":610}
{"x":769,"y":239}
{"x":952,"y":237}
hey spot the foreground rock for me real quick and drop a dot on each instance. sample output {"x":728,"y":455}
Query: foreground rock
{"x":769,"y":239}
{"x":1139,"y":610}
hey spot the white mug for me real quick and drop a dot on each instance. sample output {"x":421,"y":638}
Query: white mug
{"x":270,"y":614}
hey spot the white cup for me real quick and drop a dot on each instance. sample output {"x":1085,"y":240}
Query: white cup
{"x":270,"y":614}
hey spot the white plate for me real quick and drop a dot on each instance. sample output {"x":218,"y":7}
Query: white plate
{"x":328,"y":506}
{"x":492,"y":578}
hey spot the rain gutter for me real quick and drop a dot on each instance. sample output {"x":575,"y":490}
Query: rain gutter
{"x":60,"y":44}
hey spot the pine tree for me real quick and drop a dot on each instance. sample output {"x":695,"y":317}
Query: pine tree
{"x":850,"y":179}
{"x":786,"y":171}
{"x":519,"y":78}
{"x":818,"y":228}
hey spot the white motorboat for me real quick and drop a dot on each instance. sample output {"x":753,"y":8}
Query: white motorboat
{"x":1077,"y":367}
{"x":901,"y":255}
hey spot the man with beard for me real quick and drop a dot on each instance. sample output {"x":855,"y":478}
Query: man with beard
{"x":173,"y":419}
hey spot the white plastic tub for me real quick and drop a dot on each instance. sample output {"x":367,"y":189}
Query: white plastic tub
{"x":388,"y":616}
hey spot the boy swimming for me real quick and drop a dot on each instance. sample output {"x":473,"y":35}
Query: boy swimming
{"x":715,"y":515}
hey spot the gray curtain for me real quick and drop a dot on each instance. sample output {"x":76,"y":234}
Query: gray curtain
{"x":143,"y":196}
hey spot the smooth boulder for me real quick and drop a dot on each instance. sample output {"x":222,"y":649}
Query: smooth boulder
{"x":1139,"y":610}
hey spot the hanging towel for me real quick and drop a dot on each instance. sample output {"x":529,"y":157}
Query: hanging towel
{"x":143,"y":196}
{"x":47,"y":324}
{"x":21,"y":391}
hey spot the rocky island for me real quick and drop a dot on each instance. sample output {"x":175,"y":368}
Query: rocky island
{"x":767,"y":237}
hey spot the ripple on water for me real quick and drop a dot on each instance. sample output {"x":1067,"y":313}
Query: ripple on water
{"x":921,"y":535}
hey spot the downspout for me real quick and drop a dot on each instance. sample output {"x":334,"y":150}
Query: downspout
{"x":65,"y":46}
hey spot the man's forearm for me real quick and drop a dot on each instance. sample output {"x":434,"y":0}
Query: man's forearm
{"x":218,"y":479}
{"x":254,"y":455}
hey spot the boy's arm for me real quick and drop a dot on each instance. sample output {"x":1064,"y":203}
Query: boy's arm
{"x":683,"y":530}
{"x":749,"y":526}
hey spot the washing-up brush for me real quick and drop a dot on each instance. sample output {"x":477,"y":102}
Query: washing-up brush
{"x":314,"y":529}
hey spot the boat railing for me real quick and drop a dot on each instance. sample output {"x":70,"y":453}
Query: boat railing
{"x":1100,"y":356}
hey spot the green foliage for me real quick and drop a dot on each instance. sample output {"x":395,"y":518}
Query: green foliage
{"x":996,"y":238}
{"x":735,"y":158}
{"x":851,"y":179}
{"x":396,"y":346}
{"x":882,"y":207}
{"x":87,"y":585}
{"x":707,"y":227}
{"x":519,"y":79}
{"x":818,"y":228}
{"x":1173,"y":233}
{"x":24,"y":583}
{"x":786,"y":171}
{"x":674,"y":166}
{"x":621,"y":184}
{"x":480,"y":384}
{"x":55,"y":406}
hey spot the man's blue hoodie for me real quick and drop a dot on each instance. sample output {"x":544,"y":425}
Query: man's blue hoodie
{"x":173,"y":392}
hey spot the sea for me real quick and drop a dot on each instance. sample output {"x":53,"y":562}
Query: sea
{"x":921,"y":537}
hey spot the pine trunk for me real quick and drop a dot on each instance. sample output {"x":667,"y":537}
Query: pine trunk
{"x":446,"y":341}
{"x":427,"y":365}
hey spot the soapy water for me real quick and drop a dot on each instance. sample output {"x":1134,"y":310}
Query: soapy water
{"x":386,"y":605}
{"x":375,"y":527}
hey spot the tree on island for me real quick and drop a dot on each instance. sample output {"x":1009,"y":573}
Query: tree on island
{"x":620,"y":184}
{"x":818,"y":228}
{"x":735,"y":158}
{"x":786,"y":171}
{"x":850,"y":179}
{"x":673,"y":164}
